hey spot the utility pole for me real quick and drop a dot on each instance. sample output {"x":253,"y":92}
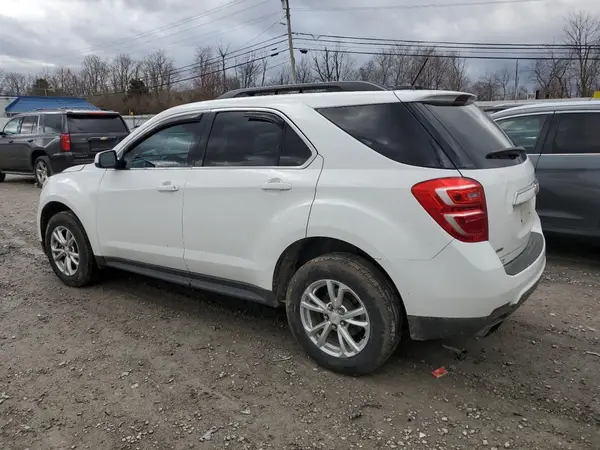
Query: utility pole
{"x":286,"y":7}
{"x":517,"y":81}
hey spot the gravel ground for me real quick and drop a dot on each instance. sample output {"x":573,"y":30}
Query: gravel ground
{"x":137,"y":364}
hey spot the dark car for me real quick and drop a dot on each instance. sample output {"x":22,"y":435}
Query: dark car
{"x":563,"y":142}
{"x":46,"y":142}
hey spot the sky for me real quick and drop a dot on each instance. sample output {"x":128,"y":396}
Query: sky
{"x":48,"y":33}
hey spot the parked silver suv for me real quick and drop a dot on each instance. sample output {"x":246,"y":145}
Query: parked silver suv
{"x":563,"y":142}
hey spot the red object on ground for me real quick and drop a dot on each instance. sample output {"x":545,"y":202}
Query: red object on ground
{"x":440,"y":372}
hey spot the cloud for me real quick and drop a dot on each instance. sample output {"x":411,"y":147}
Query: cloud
{"x":38,"y":33}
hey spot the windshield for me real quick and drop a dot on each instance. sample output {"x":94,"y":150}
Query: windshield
{"x":475,"y":132}
{"x":95,"y":123}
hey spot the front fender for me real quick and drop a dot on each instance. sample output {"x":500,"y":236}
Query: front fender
{"x":77,"y":191}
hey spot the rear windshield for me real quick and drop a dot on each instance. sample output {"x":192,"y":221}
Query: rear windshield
{"x":92,"y":123}
{"x":475,"y":132}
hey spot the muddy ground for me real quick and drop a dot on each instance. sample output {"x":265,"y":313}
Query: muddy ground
{"x":137,"y":364}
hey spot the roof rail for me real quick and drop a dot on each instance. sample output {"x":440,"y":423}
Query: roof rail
{"x":331,"y":86}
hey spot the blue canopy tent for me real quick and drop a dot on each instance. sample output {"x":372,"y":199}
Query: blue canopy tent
{"x":32,"y":103}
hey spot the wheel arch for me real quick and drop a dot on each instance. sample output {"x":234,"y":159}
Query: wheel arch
{"x":49,"y":210}
{"x":35,"y":154}
{"x":54,"y":206}
{"x":306,"y":249}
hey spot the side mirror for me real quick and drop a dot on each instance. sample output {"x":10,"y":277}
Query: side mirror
{"x":106,"y":160}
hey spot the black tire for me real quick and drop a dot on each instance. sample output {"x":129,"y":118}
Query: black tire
{"x":41,"y":160}
{"x":2,"y":177}
{"x":378,"y":296}
{"x":87,"y":272}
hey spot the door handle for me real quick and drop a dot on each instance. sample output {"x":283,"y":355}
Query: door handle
{"x":29,"y":140}
{"x":276,"y":185}
{"x":167,"y":187}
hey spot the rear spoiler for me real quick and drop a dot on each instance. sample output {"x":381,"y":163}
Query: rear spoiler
{"x":92,"y":113}
{"x":449,"y":99}
{"x":431,"y":97}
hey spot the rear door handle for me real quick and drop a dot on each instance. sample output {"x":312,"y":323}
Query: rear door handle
{"x":167,"y":187}
{"x":29,"y":140}
{"x":276,"y":185}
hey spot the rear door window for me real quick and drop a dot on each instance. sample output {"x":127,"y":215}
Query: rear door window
{"x":244,"y":139}
{"x":474,"y":132}
{"x":577,"y":133}
{"x":524,"y":130}
{"x":29,"y":125}
{"x":391,"y":130}
{"x":96,"y":123}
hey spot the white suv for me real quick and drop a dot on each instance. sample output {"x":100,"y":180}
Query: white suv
{"x":368,"y":214}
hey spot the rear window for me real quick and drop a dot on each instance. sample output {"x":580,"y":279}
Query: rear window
{"x":475,"y":132}
{"x":95,"y":123}
{"x":391,"y":130}
{"x":52,"y":123}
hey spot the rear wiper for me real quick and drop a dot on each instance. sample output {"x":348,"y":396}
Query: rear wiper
{"x":510,"y":153}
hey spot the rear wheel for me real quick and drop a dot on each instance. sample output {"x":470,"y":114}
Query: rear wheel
{"x":69,"y":250}
{"x":344,"y":313}
{"x":2,"y":177}
{"x":42,"y":170}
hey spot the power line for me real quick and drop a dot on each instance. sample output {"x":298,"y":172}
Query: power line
{"x":263,"y":32}
{"x":250,"y":50}
{"x":444,"y":48}
{"x":158,"y":86}
{"x":156,"y":30}
{"x":454,"y":43}
{"x":202,"y":24}
{"x":433,"y":5}
{"x":213,"y":34}
{"x":433,"y":55}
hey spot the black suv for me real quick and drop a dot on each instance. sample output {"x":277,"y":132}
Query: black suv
{"x":46,"y":142}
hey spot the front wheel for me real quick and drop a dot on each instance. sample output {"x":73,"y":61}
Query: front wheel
{"x":42,"y":170}
{"x":344,"y":313}
{"x":69,"y":250}
{"x":2,"y":177}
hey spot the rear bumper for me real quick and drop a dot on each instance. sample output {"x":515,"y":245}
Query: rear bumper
{"x":465,"y":290}
{"x":430,"y":328}
{"x":60,"y":161}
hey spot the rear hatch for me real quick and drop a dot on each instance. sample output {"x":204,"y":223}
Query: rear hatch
{"x":93,"y":132}
{"x":482,"y":152}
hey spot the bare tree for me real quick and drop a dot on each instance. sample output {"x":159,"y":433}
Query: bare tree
{"x":223,"y":52}
{"x":206,"y":83}
{"x":457,"y":78}
{"x":248,"y":71}
{"x":504,"y":76}
{"x":552,"y":76}
{"x":582,"y":36}
{"x":159,"y":72}
{"x":16,"y":83}
{"x":303,"y":70}
{"x":94,"y":75}
{"x":332,"y":65}
{"x":2,"y":75}
{"x":66,"y":81}
{"x":122,"y":70}
{"x":283,"y":76}
{"x":487,"y":87}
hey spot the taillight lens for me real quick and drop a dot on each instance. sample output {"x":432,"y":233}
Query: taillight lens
{"x":457,"y":205}
{"x":65,"y":142}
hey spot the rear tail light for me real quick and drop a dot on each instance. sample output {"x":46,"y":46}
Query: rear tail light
{"x":457,"y":205}
{"x":65,"y":142}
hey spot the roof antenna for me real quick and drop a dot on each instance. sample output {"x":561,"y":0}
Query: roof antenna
{"x":419,"y":73}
